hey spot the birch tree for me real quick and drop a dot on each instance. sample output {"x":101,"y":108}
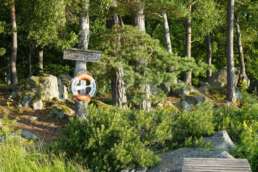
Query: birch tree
{"x":230,"y":51}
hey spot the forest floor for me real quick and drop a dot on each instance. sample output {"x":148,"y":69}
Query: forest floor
{"x":37,"y":122}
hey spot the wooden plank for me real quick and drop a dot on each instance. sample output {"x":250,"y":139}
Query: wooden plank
{"x":82,"y":55}
{"x":215,"y":165}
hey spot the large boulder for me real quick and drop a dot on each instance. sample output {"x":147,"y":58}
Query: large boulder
{"x":49,"y":87}
{"x":220,"y":141}
{"x":194,"y":98}
{"x":40,"y":89}
{"x":173,"y":161}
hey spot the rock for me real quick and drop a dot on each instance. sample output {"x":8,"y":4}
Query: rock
{"x":238,"y":95}
{"x":204,"y":88}
{"x":26,"y":101}
{"x":219,"y":79}
{"x":42,"y":88}
{"x":49,"y":88}
{"x":28,"y":135}
{"x":33,"y":118}
{"x":187,"y":102}
{"x":194,"y":99}
{"x":173,"y":161}
{"x":38,"y":105}
{"x":220,"y":141}
{"x":60,"y":110}
{"x":135,"y":170}
{"x":185,"y":105}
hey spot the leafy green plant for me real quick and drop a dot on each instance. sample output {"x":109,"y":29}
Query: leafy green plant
{"x":193,"y":124}
{"x":242,"y":125}
{"x":111,"y":139}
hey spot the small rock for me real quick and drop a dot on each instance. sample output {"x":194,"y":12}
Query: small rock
{"x":186,"y":106}
{"x":33,"y":118}
{"x":28,"y":135}
{"x":38,"y":105}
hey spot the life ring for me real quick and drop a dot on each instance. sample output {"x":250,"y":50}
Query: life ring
{"x":81,"y":91}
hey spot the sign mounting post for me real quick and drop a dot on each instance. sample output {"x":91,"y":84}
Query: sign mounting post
{"x":81,"y":56}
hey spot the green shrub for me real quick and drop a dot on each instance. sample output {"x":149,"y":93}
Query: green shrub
{"x":193,"y":124}
{"x":242,"y":125}
{"x":111,"y":139}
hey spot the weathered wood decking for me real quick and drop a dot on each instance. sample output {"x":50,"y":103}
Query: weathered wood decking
{"x":215,"y":165}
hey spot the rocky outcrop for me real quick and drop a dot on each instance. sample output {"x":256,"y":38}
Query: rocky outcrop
{"x":40,"y":89}
{"x":173,"y":161}
{"x":220,"y":141}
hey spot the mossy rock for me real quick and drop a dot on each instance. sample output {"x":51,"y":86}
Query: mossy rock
{"x":60,"y":110}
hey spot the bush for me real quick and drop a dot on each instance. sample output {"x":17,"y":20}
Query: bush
{"x":242,"y":125}
{"x":111,"y":139}
{"x":193,"y":124}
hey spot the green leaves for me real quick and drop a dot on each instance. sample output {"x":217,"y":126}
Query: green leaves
{"x":48,"y":24}
{"x":2,"y":50}
{"x":111,"y":140}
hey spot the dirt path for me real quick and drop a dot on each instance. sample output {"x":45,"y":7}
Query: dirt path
{"x":37,"y":122}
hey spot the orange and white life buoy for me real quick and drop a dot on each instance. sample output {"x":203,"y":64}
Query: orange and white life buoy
{"x":81,"y":91}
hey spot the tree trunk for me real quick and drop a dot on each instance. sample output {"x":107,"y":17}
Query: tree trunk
{"x":14,"y":78}
{"x":30,"y":62}
{"x":140,"y":23}
{"x":118,"y":86}
{"x":230,"y":52}
{"x":81,"y":67}
{"x":209,"y":55}
{"x":41,"y":60}
{"x":188,"y":25}
{"x":140,"y":18}
{"x":243,"y":76}
{"x":167,"y":32}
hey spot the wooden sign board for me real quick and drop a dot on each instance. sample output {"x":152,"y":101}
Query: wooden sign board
{"x":82,"y":55}
{"x":215,"y":165}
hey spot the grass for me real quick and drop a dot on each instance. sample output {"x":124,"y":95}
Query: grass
{"x":19,"y":157}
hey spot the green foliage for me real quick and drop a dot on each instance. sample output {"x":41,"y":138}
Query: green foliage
{"x":2,"y":50}
{"x":141,"y":57}
{"x":242,"y":125}
{"x":57,"y":69}
{"x":48,"y":24}
{"x":193,"y":124}
{"x":111,"y":139}
{"x":206,"y":17}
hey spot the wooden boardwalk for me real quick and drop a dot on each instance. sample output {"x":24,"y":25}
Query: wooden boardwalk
{"x":215,"y":165}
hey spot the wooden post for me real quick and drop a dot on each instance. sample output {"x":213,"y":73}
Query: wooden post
{"x":81,"y":57}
